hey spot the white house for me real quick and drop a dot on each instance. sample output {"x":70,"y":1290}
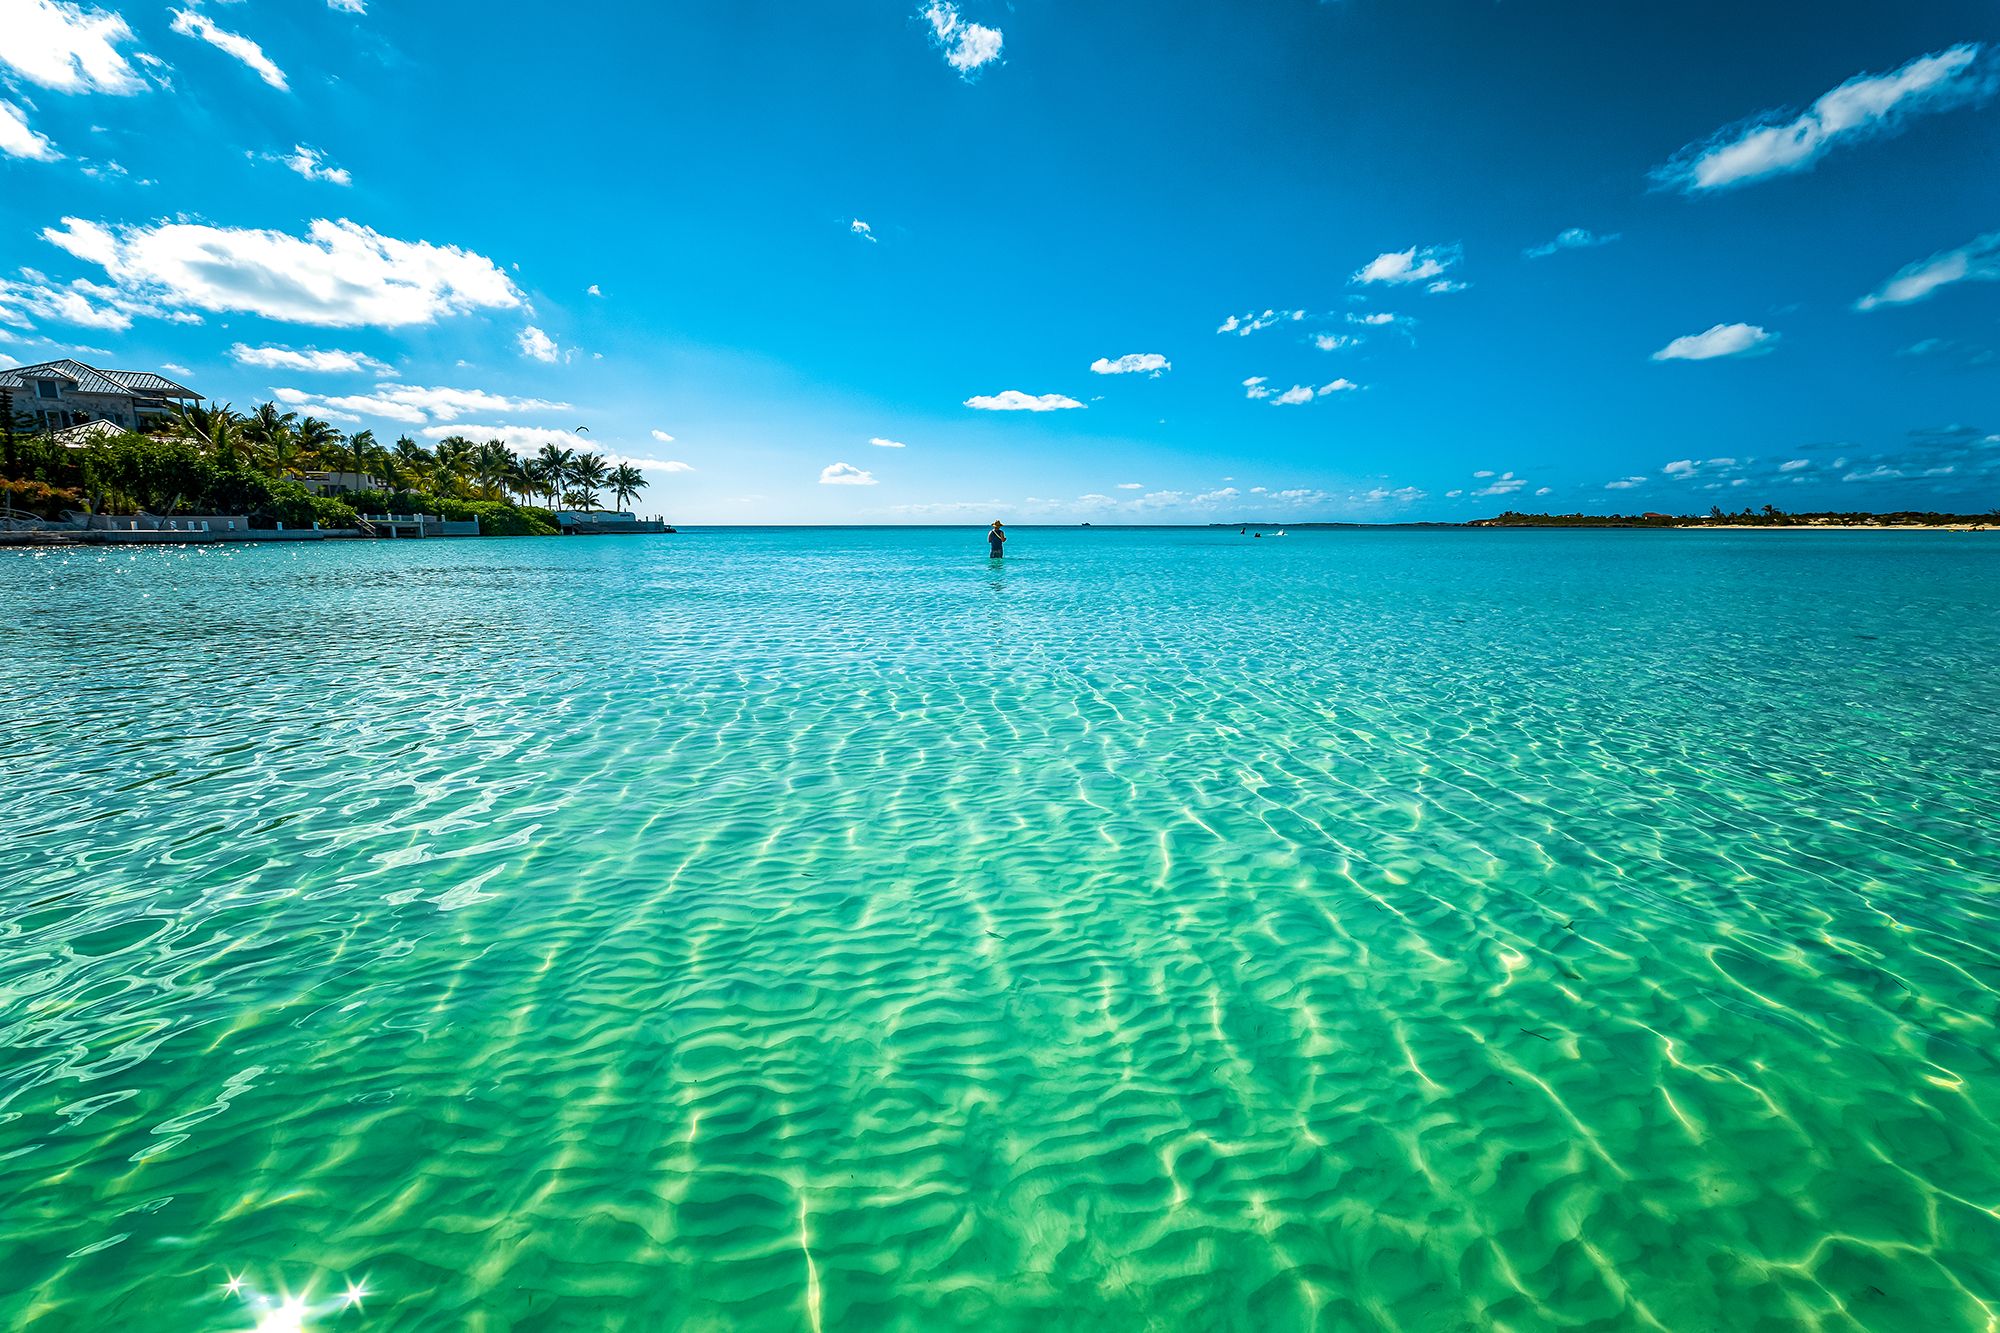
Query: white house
{"x":68,"y":393}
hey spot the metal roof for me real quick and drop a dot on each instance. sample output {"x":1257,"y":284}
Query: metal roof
{"x":89,"y":379}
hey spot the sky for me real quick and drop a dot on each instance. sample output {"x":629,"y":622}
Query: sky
{"x":882,"y":262}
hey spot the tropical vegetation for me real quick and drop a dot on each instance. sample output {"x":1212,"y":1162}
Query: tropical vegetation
{"x":213,"y":459}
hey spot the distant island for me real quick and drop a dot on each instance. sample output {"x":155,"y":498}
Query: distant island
{"x":1770,"y":516}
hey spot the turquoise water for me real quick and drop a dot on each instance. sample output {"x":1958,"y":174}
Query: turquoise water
{"x":1167,"y":930}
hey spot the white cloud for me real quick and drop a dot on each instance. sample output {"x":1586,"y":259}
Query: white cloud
{"x":330,"y":361}
{"x":881,"y":443}
{"x":538,"y":345}
{"x":1719,"y":340}
{"x":1133,"y":363}
{"x":311,"y":163}
{"x":845,"y":474}
{"x":1684,"y":467}
{"x":89,"y":304}
{"x":1444,"y":286}
{"x":1333,"y":342}
{"x":1245,"y":325}
{"x":173,"y":369}
{"x":1257,"y":387}
{"x":1379,"y":319}
{"x":663,"y":437}
{"x":1399,"y":494}
{"x":18,"y":140}
{"x":521,"y":439}
{"x":863,"y":230}
{"x":340,"y":274}
{"x":414,"y":403}
{"x":1976,"y":261}
{"x":1793,"y":465}
{"x":1570,"y":238}
{"x":65,"y":47}
{"x":1131,"y":485}
{"x":1624,"y":483}
{"x":1013,"y":400}
{"x":1504,"y":484}
{"x":592,"y":290}
{"x":966,"y":46}
{"x":348,"y":6}
{"x":1416,"y":264}
{"x":1866,"y":105}
{"x":654,"y":464}
{"x":193,"y":23}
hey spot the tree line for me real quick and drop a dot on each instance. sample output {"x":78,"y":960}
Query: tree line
{"x":214,"y":460}
{"x":283,"y":444}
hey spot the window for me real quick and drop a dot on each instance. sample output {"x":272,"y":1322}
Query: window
{"x":47,"y":389}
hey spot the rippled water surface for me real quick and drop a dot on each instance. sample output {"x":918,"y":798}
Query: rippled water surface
{"x":1168,"y":930}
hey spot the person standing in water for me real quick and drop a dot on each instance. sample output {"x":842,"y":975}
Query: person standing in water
{"x":996,"y":539}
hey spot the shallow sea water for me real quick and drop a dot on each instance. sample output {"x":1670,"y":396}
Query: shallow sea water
{"x":813,"y":930}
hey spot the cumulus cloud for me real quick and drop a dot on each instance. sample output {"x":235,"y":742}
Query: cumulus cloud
{"x":881,"y":443}
{"x":1570,"y":238}
{"x":592,"y":290}
{"x":654,"y":464}
{"x":1868,"y":105}
{"x":17,"y":139}
{"x":312,"y":164}
{"x":1133,"y":363}
{"x":1333,"y":342}
{"x":348,"y":6}
{"x":537,"y":345}
{"x":1976,"y":261}
{"x":1245,"y":325}
{"x":64,"y":47}
{"x":966,"y":46}
{"x":89,"y":304}
{"x":1013,"y":400}
{"x":1254,"y":387}
{"x":1719,"y":340}
{"x":845,"y":474}
{"x":663,"y":437}
{"x":1624,"y":483}
{"x":863,"y":230}
{"x":415,"y":403}
{"x":1416,"y":264}
{"x":329,"y":361}
{"x":193,"y":23}
{"x":340,"y":274}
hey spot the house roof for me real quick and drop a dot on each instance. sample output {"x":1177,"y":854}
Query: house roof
{"x":75,"y":437}
{"x":89,"y":379}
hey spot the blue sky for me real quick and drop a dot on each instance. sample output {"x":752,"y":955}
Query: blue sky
{"x":1284,"y":259}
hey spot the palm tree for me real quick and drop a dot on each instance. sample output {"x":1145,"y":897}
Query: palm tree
{"x":626,"y":482}
{"x":586,"y":476}
{"x":369,"y":458}
{"x":217,"y":430}
{"x":412,"y":462}
{"x":320,"y":442}
{"x":454,"y":463}
{"x":490,"y":462}
{"x":555,"y":462}
{"x":272,"y":435}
